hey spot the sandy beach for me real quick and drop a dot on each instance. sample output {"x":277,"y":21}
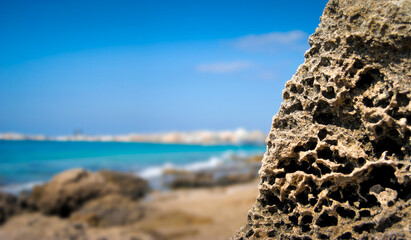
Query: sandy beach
{"x":202,"y":213}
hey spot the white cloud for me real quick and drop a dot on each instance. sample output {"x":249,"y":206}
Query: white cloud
{"x":267,"y":75}
{"x":294,"y":40}
{"x":224,"y":67}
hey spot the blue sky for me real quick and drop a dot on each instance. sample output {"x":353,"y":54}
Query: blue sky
{"x":114,"y":67}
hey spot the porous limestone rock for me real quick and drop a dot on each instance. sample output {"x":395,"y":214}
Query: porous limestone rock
{"x":337,"y":164}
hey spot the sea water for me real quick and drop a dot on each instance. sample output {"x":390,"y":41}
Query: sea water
{"x":24,"y":164}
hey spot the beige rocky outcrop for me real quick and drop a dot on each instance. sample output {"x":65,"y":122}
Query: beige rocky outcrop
{"x":68,"y":191}
{"x":338,"y":163}
{"x":9,"y":206}
{"x":110,"y":210}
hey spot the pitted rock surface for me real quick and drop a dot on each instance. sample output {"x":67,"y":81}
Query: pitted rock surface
{"x":338,"y":155}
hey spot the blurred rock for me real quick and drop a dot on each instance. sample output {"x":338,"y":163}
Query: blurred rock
{"x":185,"y":179}
{"x":130,"y":186}
{"x":9,"y":206}
{"x":68,"y":191}
{"x":110,"y":210}
{"x":254,"y":159}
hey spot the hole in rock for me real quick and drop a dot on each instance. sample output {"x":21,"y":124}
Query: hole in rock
{"x":304,"y":166}
{"x":374,"y":119}
{"x":383,"y":103}
{"x":311,"y":144}
{"x":368,"y":102}
{"x":287,"y":206}
{"x":293,"y":219}
{"x":326,"y":184}
{"x":272,"y":210}
{"x":271,"y":233}
{"x":286,"y":95}
{"x":394,"y":112}
{"x":329,"y":93}
{"x":294,"y":107}
{"x":325,"y":118}
{"x":322,"y":133}
{"x":379,"y":131}
{"x":387,"y":144}
{"x":279,"y":224}
{"x":308,"y":82}
{"x":268,"y":199}
{"x":313,"y":201}
{"x":293,"y":89}
{"x":358,"y":64}
{"x":402,"y":100}
{"x":325,"y":153}
{"x":361,"y":161}
{"x":367,"y":78}
{"x":299,"y":149}
{"x":249,"y":233}
{"x":317,"y":88}
{"x":324,"y":62}
{"x":348,"y":193}
{"x":345,"y":213}
{"x":345,"y":236}
{"x":340,"y":159}
{"x":365,"y":213}
{"x":323,"y":236}
{"x":322,"y":203}
{"x":325,"y":220}
{"x":388,"y":222}
{"x":369,"y":201}
{"x":290,"y":165}
{"x":299,"y":238}
{"x":314,"y":171}
{"x":364,"y":227}
{"x":346,"y":169}
{"x":332,"y":142}
{"x":305,"y":228}
{"x":329,"y":45}
{"x":306,"y":219}
{"x":302,"y":197}
{"x":313,"y":187}
{"x":324,"y":169}
{"x":279,"y":175}
{"x":355,"y":17}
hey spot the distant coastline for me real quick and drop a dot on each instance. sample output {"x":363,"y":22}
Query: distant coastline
{"x":203,"y":137}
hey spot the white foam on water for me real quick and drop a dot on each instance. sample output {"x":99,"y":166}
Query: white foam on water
{"x":154,"y":172}
{"x":15,"y":189}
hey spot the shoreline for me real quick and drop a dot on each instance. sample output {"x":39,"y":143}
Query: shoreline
{"x":195,"y":213}
{"x":158,"y":175}
{"x":223,"y":144}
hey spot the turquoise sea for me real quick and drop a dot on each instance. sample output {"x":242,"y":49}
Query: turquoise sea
{"x":25,"y":163}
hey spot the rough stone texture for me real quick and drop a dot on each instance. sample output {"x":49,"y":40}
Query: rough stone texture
{"x":68,"y":191}
{"x":337,"y":164}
